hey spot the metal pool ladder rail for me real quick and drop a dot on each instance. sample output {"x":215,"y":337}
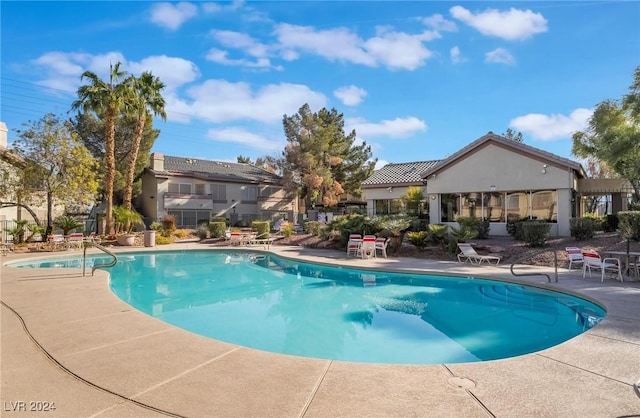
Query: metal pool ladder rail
{"x":555,"y":266}
{"x":99,"y":265}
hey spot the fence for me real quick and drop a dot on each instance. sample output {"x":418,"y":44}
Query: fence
{"x":8,"y":225}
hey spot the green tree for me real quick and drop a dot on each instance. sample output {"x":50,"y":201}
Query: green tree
{"x":414,"y":200}
{"x":513,"y":135}
{"x":107,"y":100}
{"x":147,"y":99}
{"x":91,"y":130}
{"x":320,"y":162}
{"x":57,"y":162}
{"x":613,"y":136}
{"x":244,"y":160}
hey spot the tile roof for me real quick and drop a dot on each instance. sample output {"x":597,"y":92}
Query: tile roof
{"x":393,"y":173}
{"x":217,"y":170}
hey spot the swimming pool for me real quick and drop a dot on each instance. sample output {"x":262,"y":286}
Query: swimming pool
{"x":292,"y":307}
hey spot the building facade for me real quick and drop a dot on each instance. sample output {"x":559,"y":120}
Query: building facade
{"x":195,"y":190}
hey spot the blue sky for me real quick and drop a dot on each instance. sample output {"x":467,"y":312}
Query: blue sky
{"x":416,"y":80}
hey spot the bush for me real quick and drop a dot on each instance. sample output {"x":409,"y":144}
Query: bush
{"x":629,"y":225}
{"x":582,"y":228}
{"x":181,"y":233}
{"x":287,"y":229}
{"x":419,"y":238}
{"x":262,"y":228}
{"x":599,"y":222}
{"x":314,"y":227}
{"x":217,"y":229}
{"x":202,"y":231}
{"x":68,"y":223}
{"x":168,"y":225}
{"x":611,"y":223}
{"x":156,"y":226}
{"x":535,"y":233}
{"x":439,"y":233}
{"x":483,"y":229}
{"x":162,"y":240}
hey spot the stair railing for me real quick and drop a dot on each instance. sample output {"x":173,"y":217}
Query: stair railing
{"x":555,"y":265}
{"x":99,"y":265}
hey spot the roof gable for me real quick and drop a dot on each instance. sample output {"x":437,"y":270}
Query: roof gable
{"x":410,"y":173}
{"x":516,"y":147}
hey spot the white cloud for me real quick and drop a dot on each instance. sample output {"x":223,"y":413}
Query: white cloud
{"x":396,"y":128}
{"x":239,"y":40}
{"x":395,"y":50}
{"x":380,"y":164}
{"x":439,"y":23}
{"x":223,"y":101}
{"x":172,"y":15}
{"x":350,"y":95}
{"x":244,"y":137}
{"x":499,"y":56}
{"x":511,"y":25}
{"x":172,"y":71}
{"x":550,"y":127}
{"x":456,"y":55}
{"x":222,"y":57}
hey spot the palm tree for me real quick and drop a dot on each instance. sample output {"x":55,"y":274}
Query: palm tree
{"x":147,"y":97}
{"x":106,"y":100}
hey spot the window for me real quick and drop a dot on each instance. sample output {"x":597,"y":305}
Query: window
{"x":249,"y":194}
{"x":543,"y":205}
{"x":190,"y":218}
{"x":517,"y":206}
{"x":388,"y":206}
{"x":180,"y":188}
{"x":200,"y":188}
{"x":219,"y":192}
{"x":471,"y":205}
{"x":449,"y":207}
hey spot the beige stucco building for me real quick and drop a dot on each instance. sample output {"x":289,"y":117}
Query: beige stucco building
{"x":195,"y":190}
{"x":493,"y":178}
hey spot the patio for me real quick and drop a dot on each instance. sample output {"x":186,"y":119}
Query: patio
{"x":67,"y":340}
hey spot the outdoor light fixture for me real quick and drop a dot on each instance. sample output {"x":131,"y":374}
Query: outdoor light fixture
{"x":544,"y":169}
{"x":389,"y":189}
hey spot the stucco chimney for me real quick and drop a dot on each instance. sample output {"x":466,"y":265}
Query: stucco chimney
{"x":157,"y":161}
{"x":3,"y":135}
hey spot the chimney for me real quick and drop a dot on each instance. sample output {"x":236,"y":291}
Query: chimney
{"x":157,"y":161}
{"x":3,"y":135}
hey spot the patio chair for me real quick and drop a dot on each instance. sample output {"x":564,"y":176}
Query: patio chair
{"x":575,"y":256}
{"x":353,"y":245}
{"x":381,"y":246}
{"x":468,"y":253}
{"x":593,"y":261}
{"x":368,"y":246}
{"x":75,"y":239}
{"x":235,"y":238}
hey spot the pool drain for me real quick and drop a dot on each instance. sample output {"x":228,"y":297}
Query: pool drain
{"x":462,"y":382}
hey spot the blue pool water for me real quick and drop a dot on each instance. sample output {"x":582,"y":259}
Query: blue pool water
{"x":279,"y":305}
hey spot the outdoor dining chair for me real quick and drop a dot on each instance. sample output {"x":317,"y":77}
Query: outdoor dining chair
{"x":593,"y":261}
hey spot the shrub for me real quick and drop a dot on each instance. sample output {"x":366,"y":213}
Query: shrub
{"x":181,"y":233}
{"x":156,"y":226}
{"x":262,"y":228}
{"x":217,"y":228}
{"x":439,"y":233}
{"x":68,"y":223}
{"x":242,"y":224}
{"x":463,"y":234}
{"x":483,"y":229}
{"x":287,"y":229}
{"x":535,"y":233}
{"x":599,"y":222}
{"x":314,"y":227}
{"x":168,"y":225}
{"x":629,"y":225}
{"x":202,"y":231}
{"x":419,"y":238}
{"x":582,"y":228}
{"x":162,"y":240}
{"x":611,"y":223}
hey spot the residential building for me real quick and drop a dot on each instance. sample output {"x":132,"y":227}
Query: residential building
{"x":195,"y":190}
{"x":497,"y":179}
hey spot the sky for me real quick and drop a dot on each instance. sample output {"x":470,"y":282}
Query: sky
{"x":416,"y":80}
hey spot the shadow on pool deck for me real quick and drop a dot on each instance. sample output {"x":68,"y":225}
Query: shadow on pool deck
{"x":67,"y":340}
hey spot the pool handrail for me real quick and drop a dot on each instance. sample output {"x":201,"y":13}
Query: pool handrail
{"x":555,"y":265}
{"x":99,"y":265}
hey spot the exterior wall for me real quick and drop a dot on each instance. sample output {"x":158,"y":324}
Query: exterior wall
{"x":495,"y":167}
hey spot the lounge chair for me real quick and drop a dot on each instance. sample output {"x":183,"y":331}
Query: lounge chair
{"x":593,"y":261}
{"x":575,"y":256}
{"x":75,"y":239}
{"x":468,"y":253}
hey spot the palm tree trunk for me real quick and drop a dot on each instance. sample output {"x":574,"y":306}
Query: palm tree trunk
{"x":110,"y":169}
{"x":135,"y":148}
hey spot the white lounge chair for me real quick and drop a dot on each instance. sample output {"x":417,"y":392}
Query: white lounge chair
{"x":593,"y":261}
{"x":575,"y":256}
{"x":353,"y":245}
{"x":381,"y":246}
{"x":468,"y":253}
{"x":368,"y":246}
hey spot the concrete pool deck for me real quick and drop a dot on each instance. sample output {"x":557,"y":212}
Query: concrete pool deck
{"x":67,"y":340}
